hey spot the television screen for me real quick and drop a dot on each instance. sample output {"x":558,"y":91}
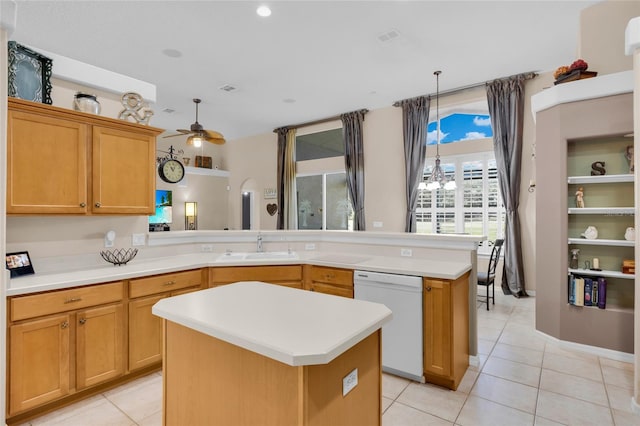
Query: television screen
{"x":163,"y":208}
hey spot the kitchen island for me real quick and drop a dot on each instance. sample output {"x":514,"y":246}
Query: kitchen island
{"x":254,"y":353}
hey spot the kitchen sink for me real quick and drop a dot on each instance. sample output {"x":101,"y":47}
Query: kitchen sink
{"x":266,"y":255}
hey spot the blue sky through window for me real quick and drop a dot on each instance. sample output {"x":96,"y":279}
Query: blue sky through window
{"x":460,"y":127}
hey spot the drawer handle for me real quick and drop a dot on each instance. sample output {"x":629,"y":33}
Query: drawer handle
{"x":329,"y":276}
{"x":64,"y":325}
{"x":98,"y":204}
{"x":73,"y":299}
{"x":169,"y":283}
{"x":428,"y":288}
{"x":83,"y":204}
{"x":83,"y":320}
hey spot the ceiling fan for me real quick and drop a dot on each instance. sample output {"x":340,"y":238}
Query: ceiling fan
{"x":198,"y":133}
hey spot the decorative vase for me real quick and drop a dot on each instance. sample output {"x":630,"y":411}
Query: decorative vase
{"x":86,"y":103}
{"x":591,"y":233}
{"x":630,"y":234}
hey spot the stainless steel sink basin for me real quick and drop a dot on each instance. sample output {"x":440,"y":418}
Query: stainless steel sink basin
{"x":267,"y":255}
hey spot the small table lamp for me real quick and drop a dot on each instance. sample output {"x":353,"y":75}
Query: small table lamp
{"x":190,"y":215}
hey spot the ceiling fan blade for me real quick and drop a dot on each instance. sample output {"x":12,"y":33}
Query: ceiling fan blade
{"x":212,"y":134}
{"x":182,"y":132}
{"x":217,"y":141}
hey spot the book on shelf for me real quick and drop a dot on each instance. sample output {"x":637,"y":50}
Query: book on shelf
{"x":587,"y":291}
{"x":572,"y":289}
{"x":602,"y":293}
{"x":588,"y":287}
{"x":579,"y":291}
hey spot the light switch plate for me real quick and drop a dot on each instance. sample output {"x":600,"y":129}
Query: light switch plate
{"x":310,"y":246}
{"x":406,"y":252}
{"x":349,"y":382}
{"x":377,"y":224}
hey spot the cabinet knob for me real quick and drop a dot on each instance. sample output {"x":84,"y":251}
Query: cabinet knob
{"x":83,"y":204}
{"x":83,"y":320}
{"x":64,"y":325}
{"x":169,"y":283}
{"x":428,"y":288}
{"x":97,"y":204}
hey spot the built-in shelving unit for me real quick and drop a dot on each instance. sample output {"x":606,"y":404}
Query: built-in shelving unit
{"x":576,"y":137}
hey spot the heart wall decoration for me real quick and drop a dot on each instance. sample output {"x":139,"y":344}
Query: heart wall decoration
{"x":272,"y":209}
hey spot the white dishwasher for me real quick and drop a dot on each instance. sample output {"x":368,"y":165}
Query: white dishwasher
{"x":402,"y":336}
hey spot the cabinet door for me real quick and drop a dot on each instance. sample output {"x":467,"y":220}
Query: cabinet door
{"x":123,"y":172}
{"x":46,"y":164}
{"x":437,"y":327}
{"x":145,"y":333}
{"x":99,"y":345}
{"x":38,"y":362}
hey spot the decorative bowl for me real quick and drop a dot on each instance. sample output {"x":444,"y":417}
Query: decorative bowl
{"x":119,"y":256}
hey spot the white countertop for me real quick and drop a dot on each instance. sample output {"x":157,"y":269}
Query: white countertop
{"x":289,"y":325}
{"x":145,"y":267}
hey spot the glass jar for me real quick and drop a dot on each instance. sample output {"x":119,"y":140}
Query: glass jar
{"x":86,"y":103}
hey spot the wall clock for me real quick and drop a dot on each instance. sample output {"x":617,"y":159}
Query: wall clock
{"x":171,"y":170}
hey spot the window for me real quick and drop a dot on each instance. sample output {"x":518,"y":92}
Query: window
{"x":459,"y":127}
{"x":323,"y":202}
{"x":475,"y":208}
{"x":315,"y":146}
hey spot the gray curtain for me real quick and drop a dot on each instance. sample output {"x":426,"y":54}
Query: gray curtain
{"x":506,"y":108}
{"x":354,"y":164}
{"x":415,"y":117}
{"x":282,"y":152}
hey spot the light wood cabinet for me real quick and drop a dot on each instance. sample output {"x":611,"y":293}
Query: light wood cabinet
{"x":287,"y":275}
{"x":38,"y":362}
{"x":145,"y":329}
{"x":99,"y":345}
{"x":61,"y":161}
{"x":446,"y":330}
{"x":57,"y":349}
{"x":324,"y":279}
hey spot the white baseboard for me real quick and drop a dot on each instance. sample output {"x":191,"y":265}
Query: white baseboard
{"x":635,"y":407}
{"x":474,"y":361}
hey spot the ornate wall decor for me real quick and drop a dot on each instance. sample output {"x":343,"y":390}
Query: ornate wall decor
{"x":29,"y":74}
{"x":272,"y":209}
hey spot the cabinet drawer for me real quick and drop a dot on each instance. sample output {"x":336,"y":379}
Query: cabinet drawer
{"x":256,"y":273}
{"x":332,"y":289}
{"x":162,"y":283}
{"x":23,"y":307}
{"x":327,"y":275}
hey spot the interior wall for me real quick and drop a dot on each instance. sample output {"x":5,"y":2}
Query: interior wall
{"x":601,"y":38}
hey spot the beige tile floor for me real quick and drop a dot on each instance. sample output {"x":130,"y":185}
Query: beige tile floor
{"x":523,"y":379}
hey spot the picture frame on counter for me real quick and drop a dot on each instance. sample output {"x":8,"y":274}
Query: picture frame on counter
{"x":29,"y":74}
{"x":19,"y":263}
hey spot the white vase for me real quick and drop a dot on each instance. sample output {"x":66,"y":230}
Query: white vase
{"x":591,"y":233}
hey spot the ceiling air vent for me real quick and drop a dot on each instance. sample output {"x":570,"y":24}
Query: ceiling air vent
{"x":228,"y":88}
{"x":388,"y":36}
{"x":169,"y":110}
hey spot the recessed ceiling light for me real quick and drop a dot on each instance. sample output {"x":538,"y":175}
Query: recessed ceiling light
{"x":172,"y":53}
{"x":263,"y":11}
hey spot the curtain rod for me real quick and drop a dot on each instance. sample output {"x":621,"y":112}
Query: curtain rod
{"x":527,"y":76}
{"x":320,"y":121}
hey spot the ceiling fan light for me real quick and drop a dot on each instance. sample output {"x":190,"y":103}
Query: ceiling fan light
{"x":195,"y":140}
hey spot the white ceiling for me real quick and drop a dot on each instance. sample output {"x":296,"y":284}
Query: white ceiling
{"x":325,"y":55}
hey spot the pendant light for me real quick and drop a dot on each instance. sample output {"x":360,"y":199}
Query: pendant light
{"x":438,"y":179}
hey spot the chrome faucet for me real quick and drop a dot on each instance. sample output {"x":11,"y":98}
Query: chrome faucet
{"x":259,"y":248}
